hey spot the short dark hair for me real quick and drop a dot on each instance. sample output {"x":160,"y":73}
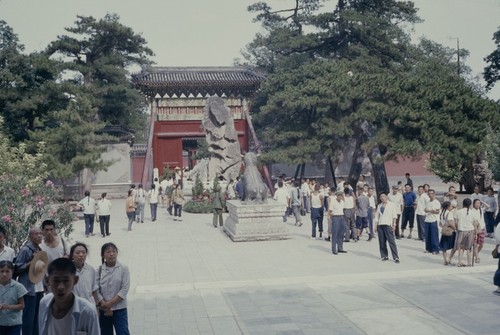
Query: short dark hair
{"x":280,"y":183}
{"x":6,"y":263}
{"x":74,"y":246}
{"x":62,"y":264}
{"x":48,"y":222}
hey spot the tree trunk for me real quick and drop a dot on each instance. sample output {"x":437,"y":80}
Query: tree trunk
{"x":86,"y":181}
{"x":330,"y":173}
{"x":378,"y":170}
{"x":356,"y":164}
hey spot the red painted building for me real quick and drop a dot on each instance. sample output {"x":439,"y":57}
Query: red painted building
{"x":177,"y":96}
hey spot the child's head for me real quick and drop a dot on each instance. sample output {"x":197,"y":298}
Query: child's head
{"x":62,"y":278}
{"x":6,"y":270}
{"x":109,"y":252}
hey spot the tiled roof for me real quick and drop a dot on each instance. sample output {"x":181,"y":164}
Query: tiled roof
{"x":197,"y":80}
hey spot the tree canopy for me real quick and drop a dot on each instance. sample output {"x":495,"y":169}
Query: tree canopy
{"x":354,"y":77}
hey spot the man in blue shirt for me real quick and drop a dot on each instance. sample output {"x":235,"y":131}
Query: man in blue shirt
{"x":408,"y":215}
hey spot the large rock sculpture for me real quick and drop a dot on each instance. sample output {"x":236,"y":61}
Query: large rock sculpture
{"x":222,"y":140}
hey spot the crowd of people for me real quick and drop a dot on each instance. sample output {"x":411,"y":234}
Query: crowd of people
{"x":49,"y":288}
{"x":447,"y":227}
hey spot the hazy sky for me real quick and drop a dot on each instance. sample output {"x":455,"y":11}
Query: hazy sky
{"x":212,"y":32}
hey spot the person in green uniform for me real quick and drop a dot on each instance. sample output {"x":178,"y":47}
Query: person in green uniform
{"x":217,"y":206}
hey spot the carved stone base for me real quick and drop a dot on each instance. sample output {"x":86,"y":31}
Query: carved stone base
{"x":255,"y":222}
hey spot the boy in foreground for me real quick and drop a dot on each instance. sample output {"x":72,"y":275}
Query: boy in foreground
{"x":61,"y":312}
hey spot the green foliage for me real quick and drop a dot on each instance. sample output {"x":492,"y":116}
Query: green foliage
{"x":26,"y":197}
{"x":200,"y":202}
{"x":492,"y":71}
{"x":28,"y":88}
{"x":198,"y":206}
{"x":101,"y":51}
{"x":198,"y":187}
{"x":202,"y":151}
{"x":72,"y":141}
{"x":167,"y":172}
{"x":492,"y":147}
{"x":355,"y":77}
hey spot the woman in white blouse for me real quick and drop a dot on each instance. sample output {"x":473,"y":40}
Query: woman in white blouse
{"x":465,"y":227}
{"x":86,"y":287}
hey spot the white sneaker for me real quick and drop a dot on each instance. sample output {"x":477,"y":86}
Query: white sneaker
{"x":175,"y":218}
{"x":179,"y":219}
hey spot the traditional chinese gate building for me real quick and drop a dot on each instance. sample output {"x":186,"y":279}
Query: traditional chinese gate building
{"x":177,"y":96}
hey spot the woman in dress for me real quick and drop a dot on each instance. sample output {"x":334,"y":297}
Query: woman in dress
{"x":465,"y":236}
{"x":86,"y":287}
{"x":447,"y":242}
{"x":130,"y":208}
{"x":113,"y":282}
{"x":480,"y":234}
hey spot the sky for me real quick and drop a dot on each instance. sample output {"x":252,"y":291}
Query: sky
{"x":213,"y":32}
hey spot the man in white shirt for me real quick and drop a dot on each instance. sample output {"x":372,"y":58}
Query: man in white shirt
{"x":306,"y":191}
{"x":6,"y":253}
{"x":140,"y":199}
{"x":295,"y":202}
{"x":422,"y":199}
{"x":89,"y":209}
{"x":385,"y":223}
{"x":432,"y":210}
{"x":282,"y":196}
{"x":476,"y":194}
{"x":336,"y":213}
{"x":53,"y":245}
{"x":349,"y":216}
{"x":371,"y":211}
{"x":397,"y":199}
{"x":62,"y":312}
{"x":104,"y":211}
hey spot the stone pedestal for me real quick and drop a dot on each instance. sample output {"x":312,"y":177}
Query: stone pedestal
{"x":255,"y":222}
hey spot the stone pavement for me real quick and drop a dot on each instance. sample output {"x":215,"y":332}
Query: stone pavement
{"x":190,"y":278}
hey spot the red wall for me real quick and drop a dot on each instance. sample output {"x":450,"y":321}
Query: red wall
{"x":167,"y":141}
{"x":137,"y":168}
{"x":415,"y":168}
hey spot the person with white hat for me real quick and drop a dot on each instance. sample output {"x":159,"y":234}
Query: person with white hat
{"x":30,"y":263}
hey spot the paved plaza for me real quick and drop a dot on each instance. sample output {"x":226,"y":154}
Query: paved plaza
{"x":190,"y":278}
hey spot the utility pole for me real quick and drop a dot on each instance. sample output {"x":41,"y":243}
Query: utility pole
{"x":458,"y":56}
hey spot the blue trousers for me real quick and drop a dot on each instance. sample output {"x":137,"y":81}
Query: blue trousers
{"x":431,"y":236}
{"x":154,"y":210}
{"x":316,"y":220}
{"x":370,"y":221}
{"x":420,"y":226}
{"x":89,"y":223}
{"x":119,"y":321}
{"x":30,"y":313}
{"x":489,"y":220}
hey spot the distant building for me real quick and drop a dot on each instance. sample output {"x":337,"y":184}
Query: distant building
{"x":176,"y":97}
